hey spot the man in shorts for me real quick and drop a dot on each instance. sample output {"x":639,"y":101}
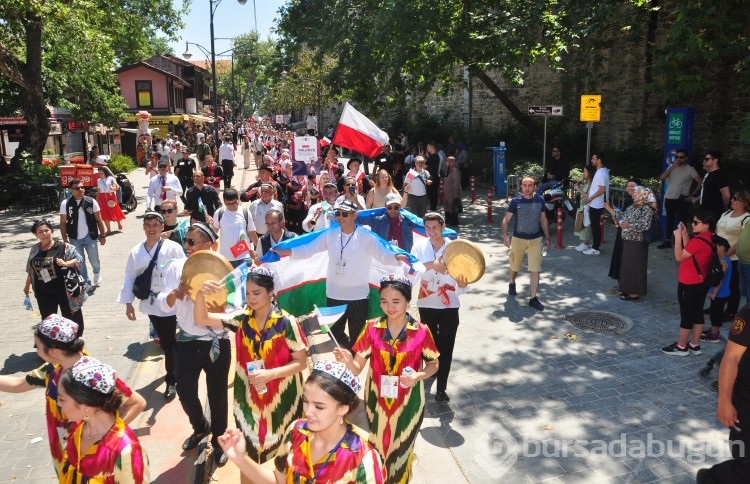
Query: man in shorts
{"x":529,"y":224}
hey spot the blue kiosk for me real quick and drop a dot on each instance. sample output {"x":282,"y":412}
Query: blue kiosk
{"x":498,"y":170}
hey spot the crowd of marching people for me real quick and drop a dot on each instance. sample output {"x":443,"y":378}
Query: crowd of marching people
{"x":302,"y":424}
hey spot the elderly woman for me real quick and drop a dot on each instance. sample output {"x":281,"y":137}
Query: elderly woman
{"x":635,"y":220}
{"x":452,"y":193}
{"x":730,"y":227}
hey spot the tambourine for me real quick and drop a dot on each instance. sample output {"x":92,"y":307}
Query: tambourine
{"x":464,"y":258}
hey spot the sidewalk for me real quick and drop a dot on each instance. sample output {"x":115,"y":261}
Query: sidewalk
{"x":517,"y":381}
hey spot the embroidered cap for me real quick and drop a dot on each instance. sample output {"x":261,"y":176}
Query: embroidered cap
{"x":394,"y":278}
{"x":340,"y":372}
{"x":57,"y":328}
{"x":260,"y":271}
{"x":94,"y":374}
{"x":345,"y":206}
{"x":207,"y":230}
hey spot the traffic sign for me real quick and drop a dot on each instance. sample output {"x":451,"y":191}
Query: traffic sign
{"x":546,"y":110}
{"x":591,"y":107}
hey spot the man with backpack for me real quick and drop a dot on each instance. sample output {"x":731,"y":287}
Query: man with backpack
{"x":236,"y":227}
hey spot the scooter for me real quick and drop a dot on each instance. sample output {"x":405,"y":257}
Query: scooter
{"x":129,"y":202}
{"x":555,"y":196}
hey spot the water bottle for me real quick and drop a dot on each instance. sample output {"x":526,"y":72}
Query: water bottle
{"x":261,"y":389}
{"x":407,"y":371}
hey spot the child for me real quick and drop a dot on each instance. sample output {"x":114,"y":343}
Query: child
{"x":719,"y":294}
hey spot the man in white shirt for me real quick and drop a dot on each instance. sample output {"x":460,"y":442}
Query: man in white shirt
{"x":312,"y":124}
{"x":261,"y":206}
{"x":351,"y":249}
{"x":163,"y":186}
{"x":226,"y":155}
{"x":598,"y":191}
{"x":317,"y":217}
{"x":232,"y":221}
{"x":164,"y":322}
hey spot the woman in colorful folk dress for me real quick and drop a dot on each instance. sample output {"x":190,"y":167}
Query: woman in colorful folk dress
{"x":323,"y":447}
{"x":100,"y":448}
{"x":394,"y":396}
{"x":57,"y":343}
{"x":271,"y":354}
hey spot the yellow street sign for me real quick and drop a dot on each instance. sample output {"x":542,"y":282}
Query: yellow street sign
{"x":591,"y":107}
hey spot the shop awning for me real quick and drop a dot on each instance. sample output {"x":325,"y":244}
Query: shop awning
{"x":174,"y":118}
{"x":200,"y":119}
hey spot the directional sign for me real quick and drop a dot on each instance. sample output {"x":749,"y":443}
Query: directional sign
{"x":546,"y":110}
{"x":591,"y":107}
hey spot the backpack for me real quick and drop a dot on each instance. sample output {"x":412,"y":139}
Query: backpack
{"x":715,"y":272}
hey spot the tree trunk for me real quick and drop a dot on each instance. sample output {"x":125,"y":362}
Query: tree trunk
{"x":34,"y":105}
{"x":523,"y":119}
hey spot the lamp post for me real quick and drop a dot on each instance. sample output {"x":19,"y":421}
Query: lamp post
{"x":213,"y":5}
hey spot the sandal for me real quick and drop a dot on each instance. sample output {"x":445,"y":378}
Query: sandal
{"x":628,"y":297}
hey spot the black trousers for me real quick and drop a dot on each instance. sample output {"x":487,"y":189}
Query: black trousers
{"x":50,"y":298}
{"x":677,"y":211}
{"x":595,"y":214}
{"x":733,"y":302}
{"x":227,"y":167}
{"x":738,"y":468}
{"x":443,"y":324}
{"x":192,"y":357}
{"x":355,"y":315}
{"x":165,"y":327}
{"x":432,"y":193}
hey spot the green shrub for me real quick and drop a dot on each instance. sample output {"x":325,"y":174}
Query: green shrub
{"x":121,"y":164}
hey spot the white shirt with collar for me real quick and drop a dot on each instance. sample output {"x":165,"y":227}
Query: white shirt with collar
{"x":323,"y":221}
{"x":226,"y":151}
{"x":258,"y":210}
{"x":154,"y":189}
{"x":138,"y":260}
{"x":83,"y":226}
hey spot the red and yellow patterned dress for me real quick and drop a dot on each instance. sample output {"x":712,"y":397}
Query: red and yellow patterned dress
{"x":263,"y":418}
{"x":47,"y":376}
{"x":353,"y":460}
{"x":394,"y":422}
{"x":116,"y":459}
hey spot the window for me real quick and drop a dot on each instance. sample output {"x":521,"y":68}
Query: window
{"x":144,"y":94}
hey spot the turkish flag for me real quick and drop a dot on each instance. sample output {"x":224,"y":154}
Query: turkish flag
{"x":240,"y":248}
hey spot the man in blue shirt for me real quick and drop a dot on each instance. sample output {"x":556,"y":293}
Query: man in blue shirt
{"x":529,"y":225}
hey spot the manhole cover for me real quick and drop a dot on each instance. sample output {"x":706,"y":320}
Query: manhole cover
{"x":599,"y":322}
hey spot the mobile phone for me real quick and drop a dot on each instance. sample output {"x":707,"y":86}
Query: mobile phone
{"x":351,"y":190}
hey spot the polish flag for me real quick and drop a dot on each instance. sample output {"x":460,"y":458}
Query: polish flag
{"x":358,"y":133}
{"x":324,"y":142}
{"x":410,"y":175}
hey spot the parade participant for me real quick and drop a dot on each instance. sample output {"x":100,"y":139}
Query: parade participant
{"x":324,"y":447}
{"x":353,"y":165}
{"x":350,"y":193}
{"x":529,"y":226}
{"x":295,"y":208}
{"x":350,"y":252}
{"x":260,"y":207}
{"x":173,"y":229}
{"x":226,"y":155}
{"x":164,"y":322}
{"x":49,"y":273}
{"x":694,"y":257}
{"x":164,"y":186}
{"x":100,"y":446}
{"x":247,"y":151}
{"x":733,"y":408}
{"x":201,"y":200}
{"x":183,"y":170}
{"x":394,"y":397}
{"x":202,"y":149}
{"x":384,"y":186}
{"x":212,"y":172}
{"x":268,"y":339}
{"x":438,"y":301}
{"x":277,"y":232}
{"x":391,"y":225}
{"x":81,"y":225}
{"x":434,"y":164}
{"x":198,"y":349}
{"x":317,"y":217}
{"x":57,"y":343}
{"x":231,"y":222}
{"x":253,"y":191}
{"x":107,"y":198}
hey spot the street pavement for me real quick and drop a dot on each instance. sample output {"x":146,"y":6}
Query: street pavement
{"x":533,"y":398}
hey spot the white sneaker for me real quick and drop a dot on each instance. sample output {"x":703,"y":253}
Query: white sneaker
{"x":98,"y":279}
{"x":591,"y":252}
{"x":581,"y":247}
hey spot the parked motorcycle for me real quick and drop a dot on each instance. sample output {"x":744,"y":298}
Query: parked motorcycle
{"x":555,"y":196}
{"x":129,"y":202}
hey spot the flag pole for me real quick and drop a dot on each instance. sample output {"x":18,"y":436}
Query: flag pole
{"x":329,"y":332}
{"x":225,"y":280}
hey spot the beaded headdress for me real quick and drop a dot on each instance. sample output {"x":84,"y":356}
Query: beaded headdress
{"x":394,"y":278}
{"x":340,"y":372}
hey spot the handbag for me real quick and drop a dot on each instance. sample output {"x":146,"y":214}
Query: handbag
{"x":579,"y":222}
{"x":142,"y":282}
{"x":586,"y":216}
{"x":653,"y":233}
{"x":74,"y":282}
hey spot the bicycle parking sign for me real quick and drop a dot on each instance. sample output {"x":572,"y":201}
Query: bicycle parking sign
{"x":674,"y":127}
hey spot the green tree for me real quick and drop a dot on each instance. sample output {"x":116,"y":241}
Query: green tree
{"x":393,"y":53}
{"x":64,"y":52}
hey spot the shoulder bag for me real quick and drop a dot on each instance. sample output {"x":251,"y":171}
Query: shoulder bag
{"x":142,"y":283}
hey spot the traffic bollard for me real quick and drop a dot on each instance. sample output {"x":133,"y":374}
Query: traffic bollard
{"x":489,"y":206}
{"x":601,"y":228}
{"x":473,"y":191}
{"x":559,"y":228}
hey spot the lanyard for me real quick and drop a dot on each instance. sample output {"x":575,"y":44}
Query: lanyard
{"x":343,"y":245}
{"x":330,"y":454}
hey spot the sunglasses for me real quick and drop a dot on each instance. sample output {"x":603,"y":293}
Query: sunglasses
{"x":168,"y":210}
{"x":343,"y":214}
{"x":78,"y":188}
{"x":350,"y":185}
{"x":708,"y":158}
{"x":191,"y":242}
{"x":394,"y":207}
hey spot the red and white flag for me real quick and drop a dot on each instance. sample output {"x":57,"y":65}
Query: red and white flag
{"x":240,"y":247}
{"x":410,"y":175}
{"x":324,"y":141}
{"x":358,"y":133}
